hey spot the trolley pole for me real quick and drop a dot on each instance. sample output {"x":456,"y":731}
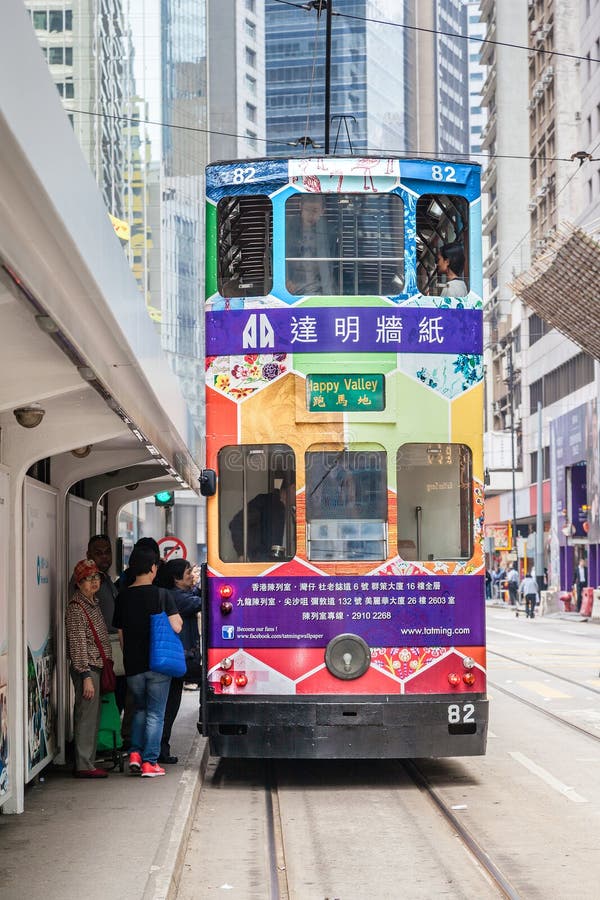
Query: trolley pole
{"x":328,"y":74}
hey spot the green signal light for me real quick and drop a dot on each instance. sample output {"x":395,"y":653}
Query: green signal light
{"x":164,"y":498}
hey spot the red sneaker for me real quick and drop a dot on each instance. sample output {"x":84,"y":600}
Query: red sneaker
{"x":90,"y":773}
{"x":151,"y":770}
{"x":135,"y":763}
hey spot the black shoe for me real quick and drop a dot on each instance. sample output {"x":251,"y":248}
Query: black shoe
{"x":168,"y":760}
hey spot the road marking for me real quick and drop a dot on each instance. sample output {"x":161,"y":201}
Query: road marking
{"x":524,"y":637}
{"x":539,"y":687}
{"x":550,"y":780}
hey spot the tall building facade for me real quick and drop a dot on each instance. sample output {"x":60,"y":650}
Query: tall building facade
{"x":443,"y":78}
{"x":477,"y":112}
{"x":133,"y":80}
{"x":237,"y":89}
{"x":372,"y":77}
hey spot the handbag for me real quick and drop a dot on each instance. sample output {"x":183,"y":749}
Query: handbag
{"x":108,"y":679}
{"x":167,"y":656}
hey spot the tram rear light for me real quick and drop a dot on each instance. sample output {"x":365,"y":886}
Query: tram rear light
{"x":226,"y":680}
{"x":226,"y":607}
{"x":226,"y":591}
{"x":469,"y":678}
{"x":453,"y":679}
{"x":241,"y":680}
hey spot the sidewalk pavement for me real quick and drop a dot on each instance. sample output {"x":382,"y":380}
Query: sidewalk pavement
{"x":567,"y":616}
{"x":119,"y":837}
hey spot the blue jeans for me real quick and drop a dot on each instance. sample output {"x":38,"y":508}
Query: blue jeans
{"x":150,"y":691}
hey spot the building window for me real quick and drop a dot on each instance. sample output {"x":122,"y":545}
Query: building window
{"x":251,"y":84}
{"x":562,"y":381}
{"x":250,"y":28}
{"x":40,"y":20}
{"x":250,"y":112}
{"x":251,"y":5}
{"x":537,"y":328}
{"x":69,"y":90}
{"x":545,"y":464}
{"x":55,"y":20}
{"x":68,"y":56}
{"x":250,"y":58}
{"x":251,"y":137}
{"x":56,"y":56}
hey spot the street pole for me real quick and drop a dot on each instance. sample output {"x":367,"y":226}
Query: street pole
{"x":328,"y":74}
{"x":511,"y":401}
{"x":539,"y":518}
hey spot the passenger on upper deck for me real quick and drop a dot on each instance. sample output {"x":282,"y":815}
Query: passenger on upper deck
{"x":451,"y":263}
{"x":307,"y":236}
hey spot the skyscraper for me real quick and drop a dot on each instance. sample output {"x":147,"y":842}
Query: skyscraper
{"x":372,"y":80}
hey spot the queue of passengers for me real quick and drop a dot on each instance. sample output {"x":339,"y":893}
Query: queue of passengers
{"x":108,"y":629}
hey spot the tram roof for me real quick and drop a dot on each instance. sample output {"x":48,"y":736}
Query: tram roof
{"x":345,"y":156}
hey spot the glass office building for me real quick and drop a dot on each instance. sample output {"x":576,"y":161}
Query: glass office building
{"x":372,"y":78}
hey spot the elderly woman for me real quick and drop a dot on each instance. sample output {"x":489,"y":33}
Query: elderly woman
{"x":83,"y":617}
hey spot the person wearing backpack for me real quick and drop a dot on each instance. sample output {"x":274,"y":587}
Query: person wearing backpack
{"x":133,"y":610}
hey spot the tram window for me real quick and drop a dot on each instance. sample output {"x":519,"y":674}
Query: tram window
{"x":434,"y":490}
{"x":245,"y":246}
{"x":346,"y":504}
{"x":344,"y":244}
{"x":441,"y":219}
{"x":257,"y":496}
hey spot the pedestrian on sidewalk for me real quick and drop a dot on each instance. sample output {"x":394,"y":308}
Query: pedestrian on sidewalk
{"x":177,"y":577}
{"x":84,"y":617}
{"x":513,"y":584}
{"x":581,"y":581}
{"x":529,"y":589}
{"x":134,"y":607}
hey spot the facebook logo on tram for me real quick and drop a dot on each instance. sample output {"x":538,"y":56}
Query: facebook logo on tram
{"x":228,"y":632}
{"x":258,"y":333}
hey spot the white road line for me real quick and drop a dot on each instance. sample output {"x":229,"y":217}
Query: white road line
{"x":564,"y":789}
{"x":524,"y":637}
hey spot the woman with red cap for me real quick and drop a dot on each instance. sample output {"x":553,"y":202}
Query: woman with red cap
{"x":84,"y":617}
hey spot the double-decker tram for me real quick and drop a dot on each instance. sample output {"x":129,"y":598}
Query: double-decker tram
{"x":344,"y":587}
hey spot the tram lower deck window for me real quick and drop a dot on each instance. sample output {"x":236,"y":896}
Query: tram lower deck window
{"x":346,"y":505}
{"x":257,"y":491}
{"x":344,"y":244}
{"x":434,"y":490}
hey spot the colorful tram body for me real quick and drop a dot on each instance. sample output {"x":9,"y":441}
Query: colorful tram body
{"x":344,"y":588}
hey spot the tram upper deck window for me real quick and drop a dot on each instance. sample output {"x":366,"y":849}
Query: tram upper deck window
{"x":339,"y":244}
{"x":257,"y":497}
{"x":434,"y":484}
{"x":245,"y":246}
{"x":442,"y":220}
{"x":346,"y":505}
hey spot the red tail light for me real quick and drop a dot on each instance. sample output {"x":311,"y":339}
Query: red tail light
{"x":226,"y":680}
{"x":241,"y":680}
{"x":453,"y":679}
{"x":226,"y":591}
{"x":226,"y":607}
{"x":469,"y":678}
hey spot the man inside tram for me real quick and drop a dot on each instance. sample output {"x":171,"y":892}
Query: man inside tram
{"x":308,"y":247}
{"x":266,"y":516}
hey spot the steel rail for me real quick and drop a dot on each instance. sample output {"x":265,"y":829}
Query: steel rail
{"x":546,"y":712}
{"x":521,"y":662}
{"x":483,"y":858}
{"x":277,"y":869}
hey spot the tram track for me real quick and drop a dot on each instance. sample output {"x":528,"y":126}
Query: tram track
{"x":544,"y":712}
{"x":279,"y":888}
{"x":529,"y":665}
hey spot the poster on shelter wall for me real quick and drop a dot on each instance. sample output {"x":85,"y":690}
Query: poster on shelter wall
{"x":40,"y":624}
{"x":5,"y":767}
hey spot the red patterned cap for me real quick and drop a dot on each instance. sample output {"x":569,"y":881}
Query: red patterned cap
{"x":85,"y":568}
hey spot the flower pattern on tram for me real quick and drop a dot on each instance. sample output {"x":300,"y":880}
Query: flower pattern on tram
{"x":401,"y":662}
{"x":241,"y":376}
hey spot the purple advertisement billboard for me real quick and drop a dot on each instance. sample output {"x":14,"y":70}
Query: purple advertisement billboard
{"x":353,"y":330}
{"x":386,"y":611}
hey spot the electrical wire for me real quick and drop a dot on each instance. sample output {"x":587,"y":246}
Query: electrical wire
{"x":434,"y":154}
{"x":452,"y":34}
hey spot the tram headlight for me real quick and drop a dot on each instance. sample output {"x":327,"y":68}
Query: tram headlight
{"x":468,"y":662}
{"x":226,"y":663}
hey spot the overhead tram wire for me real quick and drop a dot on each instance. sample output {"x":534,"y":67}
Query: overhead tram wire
{"x":404,"y":153}
{"x":451,"y":34}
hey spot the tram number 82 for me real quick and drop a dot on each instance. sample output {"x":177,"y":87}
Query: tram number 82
{"x":461,"y":718}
